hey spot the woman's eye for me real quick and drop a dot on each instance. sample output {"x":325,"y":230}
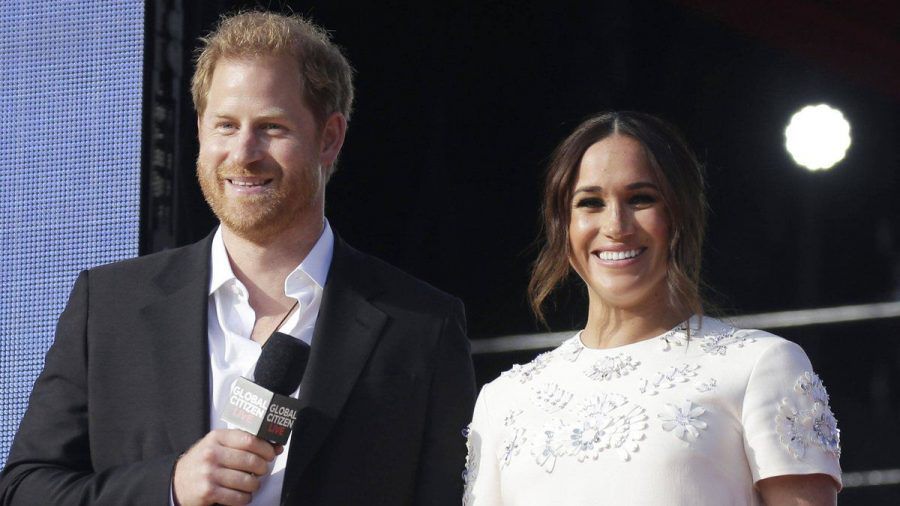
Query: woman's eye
{"x":643,"y":199}
{"x":589,"y":202}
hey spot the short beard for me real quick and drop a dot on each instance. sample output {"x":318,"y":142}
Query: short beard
{"x":259,"y":218}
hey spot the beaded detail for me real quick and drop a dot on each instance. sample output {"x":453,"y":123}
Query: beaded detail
{"x":470,"y":473}
{"x":551,"y":397}
{"x":570,"y":350}
{"x":668,"y":378}
{"x":608,"y":368}
{"x":552,"y":445}
{"x":707,"y":385}
{"x":526,"y":372}
{"x":713,"y":342}
{"x":511,"y":416}
{"x":608,"y":422}
{"x":718,"y":343}
{"x":806,"y":420}
{"x":511,"y":446}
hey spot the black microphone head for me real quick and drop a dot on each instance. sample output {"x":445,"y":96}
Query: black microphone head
{"x":281,"y":364}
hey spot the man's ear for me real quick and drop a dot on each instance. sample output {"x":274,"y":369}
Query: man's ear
{"x":332,"y":139}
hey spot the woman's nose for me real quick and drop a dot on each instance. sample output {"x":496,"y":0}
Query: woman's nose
{"x":617,"y":222}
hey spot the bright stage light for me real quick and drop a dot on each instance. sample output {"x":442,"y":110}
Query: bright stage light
{"x":817,"y":137}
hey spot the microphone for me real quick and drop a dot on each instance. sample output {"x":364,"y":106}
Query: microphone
{"x":264,"y":407}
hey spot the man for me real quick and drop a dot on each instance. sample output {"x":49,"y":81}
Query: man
{"x":127,"y":408}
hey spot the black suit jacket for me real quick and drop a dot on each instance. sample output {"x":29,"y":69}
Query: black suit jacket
{"x":125,"y":389}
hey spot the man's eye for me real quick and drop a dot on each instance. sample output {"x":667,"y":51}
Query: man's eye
{"x":589,"y":202}
{"x":272,"y":126}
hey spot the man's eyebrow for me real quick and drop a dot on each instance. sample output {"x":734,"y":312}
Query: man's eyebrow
{"x":274,"y":112}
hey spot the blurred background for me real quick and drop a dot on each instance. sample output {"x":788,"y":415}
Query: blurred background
{"x":459,"y":105}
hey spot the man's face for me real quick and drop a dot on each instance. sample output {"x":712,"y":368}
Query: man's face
{"x":263,"y":157}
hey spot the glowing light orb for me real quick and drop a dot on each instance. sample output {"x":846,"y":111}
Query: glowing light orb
{"x":817,"y":137}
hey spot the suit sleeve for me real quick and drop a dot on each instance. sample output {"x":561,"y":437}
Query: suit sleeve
{"x":451,"y":400}
{"x":50,"y":460}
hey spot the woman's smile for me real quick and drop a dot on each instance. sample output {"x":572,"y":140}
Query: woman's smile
{"x":618,"y":232}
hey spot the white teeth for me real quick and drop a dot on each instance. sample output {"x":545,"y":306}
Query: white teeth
{"x":619,"y":255}
{"x":245,"y":184}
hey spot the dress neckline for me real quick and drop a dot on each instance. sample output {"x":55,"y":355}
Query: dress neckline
{"x":680,"y":328}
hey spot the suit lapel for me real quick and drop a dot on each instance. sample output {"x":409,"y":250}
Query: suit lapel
{"x":176,"y":326}
{"x":347,"y":329}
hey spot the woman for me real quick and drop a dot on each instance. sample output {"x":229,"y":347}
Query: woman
{"x":650,"y":403}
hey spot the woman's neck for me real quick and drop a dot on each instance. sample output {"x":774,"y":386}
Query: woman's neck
{"x":610,"y":327}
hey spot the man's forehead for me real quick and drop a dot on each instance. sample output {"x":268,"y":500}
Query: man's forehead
{"x":282,"y":61}
{"x":262,"y":67}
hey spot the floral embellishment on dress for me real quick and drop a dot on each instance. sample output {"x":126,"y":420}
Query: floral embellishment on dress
{"x":717,"y":343}
{"x":629,"y":430}
{"x":551,"y":447}
{"x":608,"y":368}
{"x":676,"y":336}
{"x":668,"y":378}
{"x":588,"y":440}
{"x":510,"y":417}
{"x":609,"y":423}
{"x":810,"y":384}
{"x":707,"y":385}
{"x":471,"y":470}
{"x":527,"y":372}
{"x":551,"y":398}
{"x":570,"y":350}
{"x":511,"y":446}
{"x":714,"y":342}
{"x":808,"y":421}
{"x":684,"y":420}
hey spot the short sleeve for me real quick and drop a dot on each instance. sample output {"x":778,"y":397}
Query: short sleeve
{"x":482,"y":473}
{"x":789,"y":428}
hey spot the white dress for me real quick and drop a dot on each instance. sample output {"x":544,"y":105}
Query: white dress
{"x":670,"y":420}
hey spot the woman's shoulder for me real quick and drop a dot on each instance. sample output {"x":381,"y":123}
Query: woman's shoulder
{"x":759,"y":357}
{"x":520,"y":375}
{"x":720,"y":336}
{"x":515,"y":387}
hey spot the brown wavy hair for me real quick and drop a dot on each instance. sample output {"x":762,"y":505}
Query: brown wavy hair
{"x":681,"y":181}
{"x":326,"y":74}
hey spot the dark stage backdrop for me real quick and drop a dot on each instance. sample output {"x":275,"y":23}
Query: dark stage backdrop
{"x":70,"y":159}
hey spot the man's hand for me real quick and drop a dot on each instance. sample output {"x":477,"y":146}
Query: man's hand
{"x":222,"y":468}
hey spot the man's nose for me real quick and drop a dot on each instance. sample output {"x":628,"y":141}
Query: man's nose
{"x":247,"y":148}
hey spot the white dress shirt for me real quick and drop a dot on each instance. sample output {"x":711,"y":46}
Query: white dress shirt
{"x":232,"y":353}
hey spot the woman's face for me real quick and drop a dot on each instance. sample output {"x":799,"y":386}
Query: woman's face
{"x":619,"y":230}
